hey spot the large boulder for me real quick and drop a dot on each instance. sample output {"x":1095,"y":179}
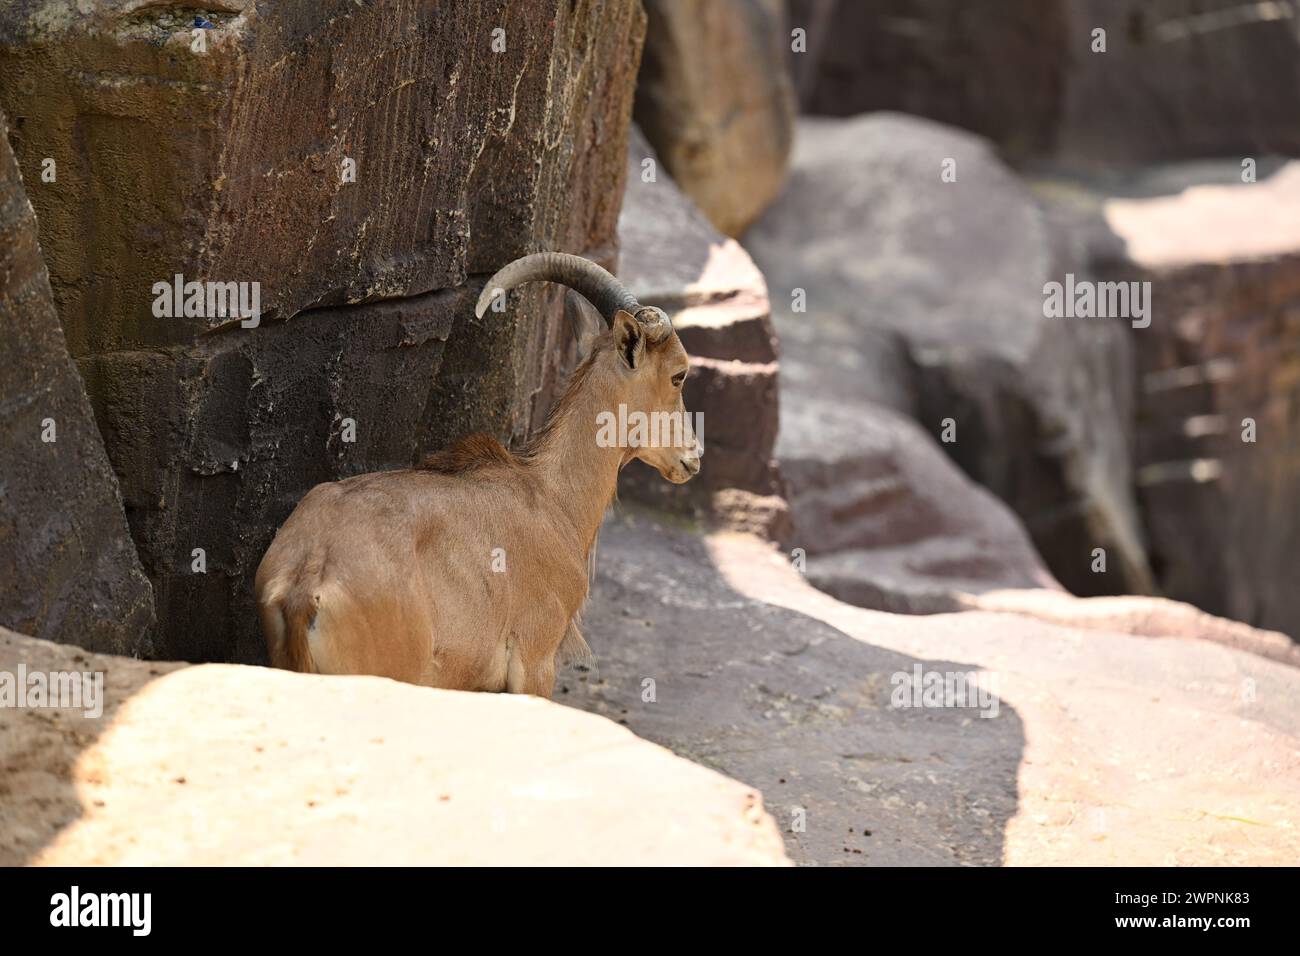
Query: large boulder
{"x":670,"y":256}
{"x":714,"y":99}
{"x":219,"y":765}
{"x":893,"y":286}
{"x":68,"y":569}
{"x":1219,"y":405}
{"x":1090,"y":746}
{"x":479,"y":132}
{"x":1177,"y":78}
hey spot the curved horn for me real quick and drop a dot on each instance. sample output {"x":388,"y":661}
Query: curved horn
{"x":596,"y":285}
{"x":582,"y":275}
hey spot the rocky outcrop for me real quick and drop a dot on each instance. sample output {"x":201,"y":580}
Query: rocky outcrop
{"x":1219,"y":407}
{"x":68,"y":569}
{"x":1095,"y":747}
{"x":1175,"y":79}
{"x":880,"y":517}
{"x":217,"y":765}
{"x":896,"y":287}
{"x":438,"y":144}
{"x":671,"y":257}
{"x":715,"y":101}
{"x":365,"y":166}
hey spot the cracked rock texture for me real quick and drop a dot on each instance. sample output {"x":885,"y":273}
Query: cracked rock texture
{"x":479,"y":131}
{"x":218,"y":765}
{"x":68,"y":569}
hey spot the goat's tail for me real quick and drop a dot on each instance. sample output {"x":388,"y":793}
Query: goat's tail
{"x":286,"y":621}
{"x":574,"y":649}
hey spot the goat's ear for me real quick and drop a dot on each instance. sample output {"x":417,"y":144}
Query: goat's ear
{"x":629,"y":338}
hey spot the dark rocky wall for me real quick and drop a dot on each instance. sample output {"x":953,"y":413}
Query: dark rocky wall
{"x":68,"y":569}
{"x":1178,"y":78}
{"x":226,"y":166}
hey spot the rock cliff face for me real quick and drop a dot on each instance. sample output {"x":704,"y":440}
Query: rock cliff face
{"x":1177,"y":78}
{"x":365,"y":166}
{"x":923,"y":58}
{"x":68,"y":569}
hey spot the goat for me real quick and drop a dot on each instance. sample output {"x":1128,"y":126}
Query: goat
{"x":468,"y":571}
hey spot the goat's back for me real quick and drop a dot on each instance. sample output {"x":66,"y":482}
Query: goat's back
{"x":420,"y":576}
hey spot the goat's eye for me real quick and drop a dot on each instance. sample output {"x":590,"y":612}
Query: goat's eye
{"x":678,"y":379}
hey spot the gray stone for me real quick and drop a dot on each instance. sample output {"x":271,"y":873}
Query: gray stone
{"x":927,"y":297}
{"x":68,"y":569}
{"x":883,"y":519}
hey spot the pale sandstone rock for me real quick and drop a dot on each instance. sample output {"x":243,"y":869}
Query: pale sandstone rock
{"x":1107,"y":748}
{"x":223,"y":764}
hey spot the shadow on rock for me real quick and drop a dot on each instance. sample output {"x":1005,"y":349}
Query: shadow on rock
{"x":792,"y":706}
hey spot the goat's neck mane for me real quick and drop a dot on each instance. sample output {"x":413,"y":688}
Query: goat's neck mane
{"x":559,"y":425}
{"x":563,"y":458}
{"x":477,"y":451}
{"x":581,"y":476}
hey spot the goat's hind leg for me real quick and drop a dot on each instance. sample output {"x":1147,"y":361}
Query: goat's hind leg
{"x":531,"y":674}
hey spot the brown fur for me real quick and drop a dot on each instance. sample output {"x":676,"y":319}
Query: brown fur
{"x":392,"y":573}
{"x":474,"y":451}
